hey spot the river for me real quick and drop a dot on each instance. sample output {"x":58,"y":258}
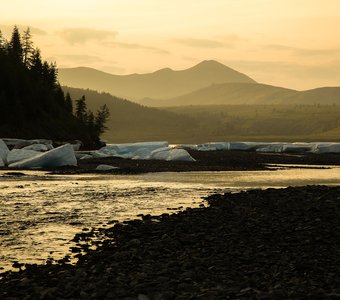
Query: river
{"x":41,"y":213}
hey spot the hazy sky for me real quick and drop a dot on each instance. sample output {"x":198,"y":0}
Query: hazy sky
{"x":291,"y":43}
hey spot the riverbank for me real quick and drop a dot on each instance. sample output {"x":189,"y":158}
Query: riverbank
{"x":265,"y":244}
{"x":220,"y":160}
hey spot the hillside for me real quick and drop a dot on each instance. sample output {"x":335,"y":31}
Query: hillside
{"x":227,"y":93}
{"x":131,"y":122}
{"x":321,"y":96}
{"x":263,"y":122}
{"x":250,"y":93}
{"x":164,"y":83}
{"x":32,"y":103}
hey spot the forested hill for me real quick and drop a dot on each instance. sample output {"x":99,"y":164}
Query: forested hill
{"x":133,"y":122}
{"x":32,"y":103}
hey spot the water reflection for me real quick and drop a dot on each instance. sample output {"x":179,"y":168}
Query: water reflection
{"x":40,"y":213}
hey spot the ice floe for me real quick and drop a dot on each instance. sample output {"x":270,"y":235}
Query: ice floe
{"x":16,"y":155}
{"x":2,"y":164}
{"x":3,"y":152}
{"x":39,"y":153}
{"x":39,"y":147}
{"x":58,"y":157}
{"x":105,"y":168}
{"x":171,"y":154}
{"x":274,"y":147}
{"x":144,"y":150}
{"x":20,"y":143}
{"x":326,"y":148}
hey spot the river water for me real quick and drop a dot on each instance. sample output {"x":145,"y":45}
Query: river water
{"x":41,"y":213}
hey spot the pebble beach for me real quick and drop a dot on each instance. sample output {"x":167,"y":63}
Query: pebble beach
{"x":265,"y":244}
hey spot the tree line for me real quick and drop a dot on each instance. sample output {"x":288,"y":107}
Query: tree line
{"x":30,"y":94}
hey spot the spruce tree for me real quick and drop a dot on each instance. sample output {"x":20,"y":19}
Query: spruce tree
{"x":36,"y":64}
{"x":102,"y":117}
{"x":68,"y":103}
{"x":27,"y":46}
{"x":2,"y":43}
{"x":15,"y":46}
{"x":81,"y":110}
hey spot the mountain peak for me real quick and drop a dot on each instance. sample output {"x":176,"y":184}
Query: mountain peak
{"x":210,"y":64}
{"x":164,"y":70}
{"x":161,"y":84}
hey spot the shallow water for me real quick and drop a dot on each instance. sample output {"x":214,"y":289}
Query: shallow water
{"x":40,"y":213}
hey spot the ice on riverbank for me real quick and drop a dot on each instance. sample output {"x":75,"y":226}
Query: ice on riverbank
{"x":145,"y":151}
{"x":20,"y":143}
{"x":3,"y":153}
{"x":271,"y":147}
{"x":58,"y":157}
{"x":105,"y":168}
{"x":16,"y":155}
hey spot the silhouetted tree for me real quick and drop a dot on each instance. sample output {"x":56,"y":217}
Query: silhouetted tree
{"x":32,"y":102}
{"x":68,"y":103}
{"x":27,"y":46}
{"x":15,"y":47}
{"x":2,"y":42}
{"x":90,"y":123}
{"x":102,"y":117}
{"x":81,"y":109}
{"x":49,"y":73}
{"x":36,"y":64}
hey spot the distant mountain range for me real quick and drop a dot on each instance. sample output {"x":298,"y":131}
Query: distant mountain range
{"x":207,"y":83}
{"x":226,"y":93}
{"x":249,"y":93}
{"x":164,"y":83}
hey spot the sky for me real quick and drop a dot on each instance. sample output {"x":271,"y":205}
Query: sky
{"x":289,"y":43}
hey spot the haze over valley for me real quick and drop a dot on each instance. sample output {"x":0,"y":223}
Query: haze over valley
{"x":224,"y":105}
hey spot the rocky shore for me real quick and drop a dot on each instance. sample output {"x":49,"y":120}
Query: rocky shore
{"x":271,"y":244}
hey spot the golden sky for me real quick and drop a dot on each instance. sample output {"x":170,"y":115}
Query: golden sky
{"x":290,"y":43}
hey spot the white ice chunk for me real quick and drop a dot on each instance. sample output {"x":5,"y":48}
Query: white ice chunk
{"x":58,"y":157}
{"x":39,"y":147}
{"x":3,"y":151}
{"x":160,"y":154}
{"x":171,"y":154}
{"x":246,"y":145}
{"x":98,"y":154}
{"x":297,"y":147}
{"x":188,"y":146}
{"x":214,"y":146}
{"x":128,"y":150}
{"x":76,"y":146}
{"x":275,"y":147}
{"x":179,"y":154}
{"x":326,"y":148}
{"x":19,"y":143}
{"x":143,"y":153}
{"x":16,"y":155}
{"x":105,"y":168}
{"x":86,"y":156}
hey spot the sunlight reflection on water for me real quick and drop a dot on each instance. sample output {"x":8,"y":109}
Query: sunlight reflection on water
{"x":40,"y":213}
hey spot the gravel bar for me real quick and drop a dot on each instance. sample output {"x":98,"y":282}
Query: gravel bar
{"x":258,"y":244}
